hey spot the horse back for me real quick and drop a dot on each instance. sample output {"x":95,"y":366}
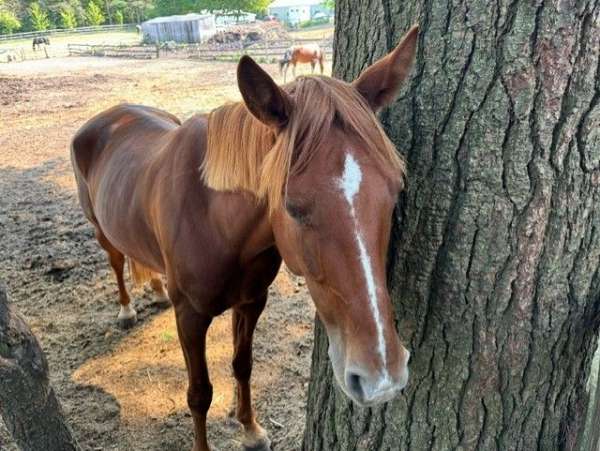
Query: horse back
{"x":93,"y":137}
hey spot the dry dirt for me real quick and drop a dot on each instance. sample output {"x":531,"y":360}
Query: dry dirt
{"x":123,"y":390}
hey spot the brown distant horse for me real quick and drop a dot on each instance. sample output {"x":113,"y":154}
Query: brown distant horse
{"x":304,"y":173}
{"x":308,"y":53}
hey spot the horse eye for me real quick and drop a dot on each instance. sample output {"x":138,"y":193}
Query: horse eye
{"x":300,"y":213}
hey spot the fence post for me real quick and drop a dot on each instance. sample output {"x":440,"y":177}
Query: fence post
{"x":157,"y":51}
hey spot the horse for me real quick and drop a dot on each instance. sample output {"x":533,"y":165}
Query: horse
{"x":301,"y":173}
{"x":308,"y":53}
{"x":39,"y":40}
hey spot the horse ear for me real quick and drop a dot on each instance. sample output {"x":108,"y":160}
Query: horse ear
{"x":265,"y":100}
{"x":379,"y":83}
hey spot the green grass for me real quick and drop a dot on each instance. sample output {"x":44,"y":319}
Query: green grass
{"x":167,"y":336}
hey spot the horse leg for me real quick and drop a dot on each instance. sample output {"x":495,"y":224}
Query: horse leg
{"x":321,"y":64}
{"x":244,"y":322}
{"x":159,"y":290}
{"x":127,"y":315}
{"x":192,"y":328}
{"x":312,"y":67}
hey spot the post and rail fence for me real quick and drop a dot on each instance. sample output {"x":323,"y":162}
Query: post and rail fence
{"x":92,"y":29}
{"x":207,"y":52}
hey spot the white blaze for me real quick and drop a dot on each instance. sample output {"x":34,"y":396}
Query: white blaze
{"x":350,"y":185}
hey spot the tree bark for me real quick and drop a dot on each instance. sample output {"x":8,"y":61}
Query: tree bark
{"x":494,"y":260}
{"x":594,"y":431}
{"x":28,"y":404}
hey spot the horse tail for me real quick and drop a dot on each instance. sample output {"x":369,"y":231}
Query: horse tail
{"x":139,"y":273}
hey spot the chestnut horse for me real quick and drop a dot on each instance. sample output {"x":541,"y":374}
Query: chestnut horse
{"x":302,"y":173}
{"x":308,"y":53}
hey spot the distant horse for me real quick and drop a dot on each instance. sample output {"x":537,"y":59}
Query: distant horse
{"x":308,"y":53}
{"x":302,"y":173}
{"x":39,"y":40}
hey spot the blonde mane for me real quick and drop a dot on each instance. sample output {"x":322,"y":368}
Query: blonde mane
{"x":244,"y":154}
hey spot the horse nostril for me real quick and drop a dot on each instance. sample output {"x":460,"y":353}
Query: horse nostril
{"x":354,"y":384}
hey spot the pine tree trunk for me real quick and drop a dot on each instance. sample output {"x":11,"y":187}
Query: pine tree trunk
{"x":494,"y":262}
{"x":28,"y":404}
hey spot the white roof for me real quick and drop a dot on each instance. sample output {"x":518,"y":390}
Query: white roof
{"x":184,"y":18}
{"x":288,"y":3}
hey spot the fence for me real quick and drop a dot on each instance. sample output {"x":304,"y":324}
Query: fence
{"x":96,"y":29}
{"x":268,"y":50}
{"x":119,"y":51}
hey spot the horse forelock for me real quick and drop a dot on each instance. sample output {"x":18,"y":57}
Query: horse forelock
{"x":244,"y":154}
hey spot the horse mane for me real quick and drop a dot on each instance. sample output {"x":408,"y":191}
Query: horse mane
{"x":244,"y":154}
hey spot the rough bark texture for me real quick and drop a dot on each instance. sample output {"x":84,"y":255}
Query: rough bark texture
{"x":494,"y":266}
{"x":594,"y":430}
{"x":28,"y":404}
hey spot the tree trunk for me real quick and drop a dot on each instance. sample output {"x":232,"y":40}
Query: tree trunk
{"x":591,"y":433}
{"x":594,"y":430}
{"x":494,"y":260}
{"x":28,"y":404}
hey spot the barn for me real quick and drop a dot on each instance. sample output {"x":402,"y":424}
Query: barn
{"x":188,"y":28}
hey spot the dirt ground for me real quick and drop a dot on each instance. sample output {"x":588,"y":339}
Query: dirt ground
{"x":124,"y":390}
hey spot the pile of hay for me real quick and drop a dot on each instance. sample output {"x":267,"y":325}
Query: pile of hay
{"x":245,"y":35}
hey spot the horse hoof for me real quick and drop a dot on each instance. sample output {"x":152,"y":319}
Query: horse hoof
{"x":162,"y":301}
{"x":127,"y":323}
{"x":257,"y":443}
{"x":260,"y":446}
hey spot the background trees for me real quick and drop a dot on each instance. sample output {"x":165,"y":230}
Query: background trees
{"x":39,"y":17}
{"x":28,"y":15}
{"x":8,"y":22}
{"x":494,"y":267}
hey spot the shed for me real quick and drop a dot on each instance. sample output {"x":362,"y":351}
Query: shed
{"x":188,"y":28}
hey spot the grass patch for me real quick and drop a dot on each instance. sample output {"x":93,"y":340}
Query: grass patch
{"x":167,"y":336}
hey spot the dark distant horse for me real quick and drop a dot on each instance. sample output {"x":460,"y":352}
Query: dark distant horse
{"x":302,"y":173}
{"x":39,"y":40}
{"x":308,"y":53}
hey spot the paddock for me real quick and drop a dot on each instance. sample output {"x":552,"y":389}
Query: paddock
{"x":124,"y":390}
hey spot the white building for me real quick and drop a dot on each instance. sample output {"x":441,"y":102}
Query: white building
{"x":294,"y":12}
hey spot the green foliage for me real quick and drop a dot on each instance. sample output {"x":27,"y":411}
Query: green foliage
{"x":39,"y":17}
{"x":170,"y":7}
{"x":139,"y":10}
{"x":44,"y":14}
{"x":253,"y":6}
{"x":313,"y":22}
{"x":94,"y":14}
{"x":119,"y":17}
{"x":8,"y":22}
{"x":68,"y":18}
{"x":329,"y":4}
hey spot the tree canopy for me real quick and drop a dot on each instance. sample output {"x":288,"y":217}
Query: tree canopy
{"x":29,"y":15}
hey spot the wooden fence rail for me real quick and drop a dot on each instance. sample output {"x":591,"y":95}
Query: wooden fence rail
{"x":122,"y":51}
{"x":269,"y":50}
{"x":96,"y":29}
